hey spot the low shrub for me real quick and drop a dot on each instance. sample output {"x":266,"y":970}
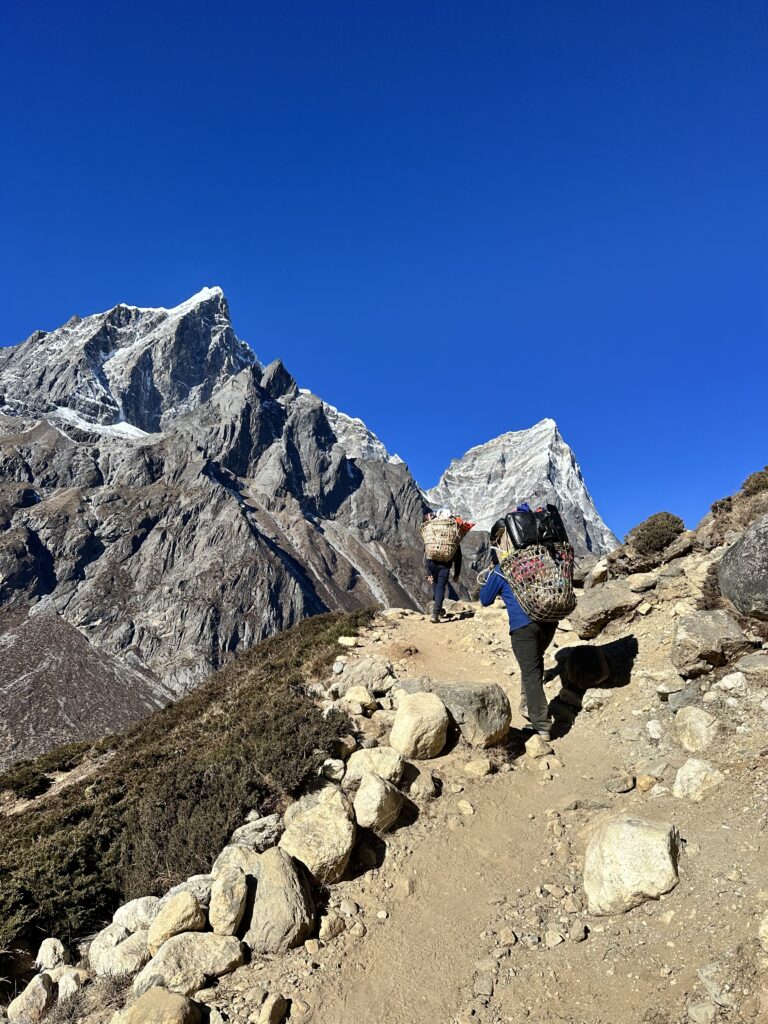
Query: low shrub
{"x":165,"y":798}
{"x":756,"y":482}
{"x":31,"y":778}
{"x":656,"y":533}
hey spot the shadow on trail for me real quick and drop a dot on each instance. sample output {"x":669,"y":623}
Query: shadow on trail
{"x":588,"y":667}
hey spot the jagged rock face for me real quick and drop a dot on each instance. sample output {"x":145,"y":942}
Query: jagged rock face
{"x":127,"y":365}
{"x":533,"y":465}
{"x":165,"y":521}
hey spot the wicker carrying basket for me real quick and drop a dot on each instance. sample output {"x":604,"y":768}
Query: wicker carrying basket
{"x":541,"y":577}
{"x":441,"y":539}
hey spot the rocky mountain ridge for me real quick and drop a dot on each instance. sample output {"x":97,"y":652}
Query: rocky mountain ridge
{"x":171,"y":500}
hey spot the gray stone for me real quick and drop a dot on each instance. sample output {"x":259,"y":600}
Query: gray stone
{"x":755,"y":668}
{"x":704,"y":640}
{"x":599,"y":606}
{"x":743,"y":571}
{"x":185,"y":962}
{"x":373,"y":673}
{"x":198,"y":885}
{"x":628,"y":861}
{"x":34,"y":1002}
{"x":260,"y":833}
{"x":158,"y":1006}
{"x":123,"y":959}
{"x":273,"y":1009}
{"x":377,"y":803}
{"x":480,"y":710}
{"x":237,"y":855}
{"x":283,"y":913}
{"x":640,"y":582}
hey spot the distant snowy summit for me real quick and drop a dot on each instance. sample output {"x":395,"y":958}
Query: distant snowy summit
{"x":534,"y":465}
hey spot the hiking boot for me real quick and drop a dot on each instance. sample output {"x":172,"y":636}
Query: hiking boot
{"x":433,"y":618}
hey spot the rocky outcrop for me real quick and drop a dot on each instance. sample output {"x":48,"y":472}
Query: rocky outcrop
{"x":600,"y":605}
{"x":743,"y":571}
{"x":704,"y":640}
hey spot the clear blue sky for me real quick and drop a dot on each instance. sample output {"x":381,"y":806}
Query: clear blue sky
{"x":451,"y":219}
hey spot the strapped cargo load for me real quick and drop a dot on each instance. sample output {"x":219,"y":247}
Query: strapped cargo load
{"x":441,"y":539}
{"x":536,"y":559}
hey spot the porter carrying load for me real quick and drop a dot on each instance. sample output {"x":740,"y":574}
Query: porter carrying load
{"x":536,"y":559}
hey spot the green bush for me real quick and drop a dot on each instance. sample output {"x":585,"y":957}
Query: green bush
{"x":165,"y":797}
{"x":756,"y":482}
{"x":656,"y":533}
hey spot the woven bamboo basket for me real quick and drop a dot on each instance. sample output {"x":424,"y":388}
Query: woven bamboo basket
{"x":541,"y":577}
{"x":441,"y":539}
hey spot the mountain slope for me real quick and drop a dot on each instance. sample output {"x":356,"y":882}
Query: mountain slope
{"x":533,"y":465}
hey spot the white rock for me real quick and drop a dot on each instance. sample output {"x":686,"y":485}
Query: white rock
{"x":360,"y":696}
{"x":322,"y":836}
{"x":654,"y":729}
{"x":69,"y":981}
{"x":385,"y":762}
{"x":628,"y":861}
{"x":51,"y":954}
{"x":138,"y":914}
{"x":377,"y":803}
{"x":260,"y":833}
{"x":734,"y":682}
{"x":421,"y":726}
{"x":333,"y":768}
{"x":124,"y":959}
{"x":695,"y":779}
{"x":696,"y":729}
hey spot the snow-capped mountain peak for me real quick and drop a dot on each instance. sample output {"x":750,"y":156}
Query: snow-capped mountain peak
{"x":534,"y":465}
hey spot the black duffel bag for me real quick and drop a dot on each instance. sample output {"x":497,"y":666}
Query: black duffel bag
{"x":527,"y":528}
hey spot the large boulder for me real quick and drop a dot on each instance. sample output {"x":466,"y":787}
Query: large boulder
{"x":228,"y":897}
{"x":185,"y":962}
{"x":743,"y":571}
{"x":704,"y":640}
{"x":159,"y":1006}
{"x":696,"y":729}
{"x":34,"y":1002}
{"x":68,"y":980}
{"x":121,"y":960}
{"x":600,"y":605}
{"x":283,"y":913}
{"x":377,"y":803}
{"x":695,"y":779}
{"x":180,"y":914}
{"x":385,"y":762}
{"x":628,"y":861}
{"x":322,"y":835}
{"x":51,"y":953}
{"x":138,"y":914}
{"x":420,"y":728}
{"x":374,"y":673}
{"x":480,"y":710}
{"x":260,"y":833}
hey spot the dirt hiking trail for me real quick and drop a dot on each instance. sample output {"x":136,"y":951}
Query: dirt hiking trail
{"x":476,"y":912}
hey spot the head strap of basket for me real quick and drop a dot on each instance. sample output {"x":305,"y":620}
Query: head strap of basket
{"x":441,"y":539}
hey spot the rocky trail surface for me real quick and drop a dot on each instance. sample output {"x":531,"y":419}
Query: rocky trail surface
{"x":465,"y":872}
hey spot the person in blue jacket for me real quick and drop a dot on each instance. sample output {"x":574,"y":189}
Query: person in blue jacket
{"x":529,"y":642}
